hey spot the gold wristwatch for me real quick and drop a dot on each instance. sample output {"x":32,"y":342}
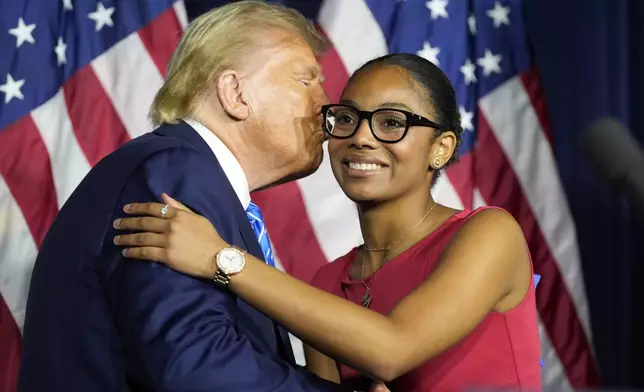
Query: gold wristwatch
{"x":230,"y":261}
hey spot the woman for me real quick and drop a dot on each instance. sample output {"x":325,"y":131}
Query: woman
{"x":435,"y":299}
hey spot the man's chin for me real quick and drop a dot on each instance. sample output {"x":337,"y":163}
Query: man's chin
{"x":313,"y":166}
{"x":305,"y":171}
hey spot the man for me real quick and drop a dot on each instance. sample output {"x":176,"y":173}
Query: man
{"x":238,"y":112}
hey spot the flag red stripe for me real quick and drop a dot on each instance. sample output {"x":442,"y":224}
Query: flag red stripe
{"x":26,"y":169}
{"x":97,"y":126}
{"x":531,"y":81}
{"x":335,"y":74}
{"x":290,"y":230}
{"x":25,"y":166}
{"x":499,"y":186}
{"x":532,"y":84}
{"x":160,"y":37}
{"x":10,"y":352}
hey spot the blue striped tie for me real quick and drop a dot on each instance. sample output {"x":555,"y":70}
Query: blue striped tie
{"x":257,"y":222}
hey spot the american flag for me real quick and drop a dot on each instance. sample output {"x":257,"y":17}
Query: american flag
{"x":77,"y":78}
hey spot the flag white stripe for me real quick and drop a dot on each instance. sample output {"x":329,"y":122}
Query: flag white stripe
{"x":443,"y":192}
{"x":518,"y":131}
{"x":332,"y":215}
{"x":553,"y":374}
{"x":182,"y":15}
{"x":478,"y":200}
{"x":17,"y":255}
{"x":131,"y":79}
{"x":68,"y":162}
{"x":355,"y":34}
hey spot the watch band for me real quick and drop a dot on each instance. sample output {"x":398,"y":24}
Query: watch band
{"x":221,"y":280}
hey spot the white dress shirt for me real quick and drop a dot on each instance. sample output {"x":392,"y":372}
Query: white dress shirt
{"x":227,"y":160}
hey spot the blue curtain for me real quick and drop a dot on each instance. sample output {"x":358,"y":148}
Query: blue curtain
{"x":590,"y":54}
{"x":591,"y":57}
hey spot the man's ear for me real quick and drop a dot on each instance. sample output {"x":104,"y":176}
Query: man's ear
{"x":229,"y":91}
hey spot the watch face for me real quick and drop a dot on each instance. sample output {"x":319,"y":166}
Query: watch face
{"x":230,"y":261}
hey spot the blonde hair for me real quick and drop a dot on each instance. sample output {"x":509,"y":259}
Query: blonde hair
{"x":216,"y":41}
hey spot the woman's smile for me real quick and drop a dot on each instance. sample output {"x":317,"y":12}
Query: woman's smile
{"x":361,"y":165}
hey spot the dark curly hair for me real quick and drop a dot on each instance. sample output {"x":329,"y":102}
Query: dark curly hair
{"x":436,"y":90}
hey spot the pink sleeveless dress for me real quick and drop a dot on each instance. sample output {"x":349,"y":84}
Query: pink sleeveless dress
{"x":502,"y":353}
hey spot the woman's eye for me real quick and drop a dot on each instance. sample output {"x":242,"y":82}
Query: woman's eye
{"x":393,"y":123}
{"x":343,"y":119}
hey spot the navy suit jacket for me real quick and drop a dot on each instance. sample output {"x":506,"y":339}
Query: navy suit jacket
{"x":96,"y":322}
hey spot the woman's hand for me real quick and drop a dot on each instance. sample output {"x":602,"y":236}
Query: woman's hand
{"x":183,"y":240}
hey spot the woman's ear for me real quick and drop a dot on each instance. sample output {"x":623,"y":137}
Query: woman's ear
{"x":442,"y":149}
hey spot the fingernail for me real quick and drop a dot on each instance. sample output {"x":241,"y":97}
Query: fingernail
{"x":124,"y":252}
{"x":117,"y":223}
{"x":126,"y":208}
{"x":117,"y":239}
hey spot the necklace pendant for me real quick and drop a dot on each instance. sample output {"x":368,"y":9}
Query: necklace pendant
{"x":366,"y":298}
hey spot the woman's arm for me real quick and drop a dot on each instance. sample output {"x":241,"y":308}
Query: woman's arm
{"x":321,"y":365}
{"x":480,"y":267}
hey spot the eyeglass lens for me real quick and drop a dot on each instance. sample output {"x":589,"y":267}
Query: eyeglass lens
{"x":388,"y":125}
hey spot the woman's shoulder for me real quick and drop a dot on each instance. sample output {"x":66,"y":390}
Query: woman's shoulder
{"x":487,"y":228}
{"x":477,"y":219}
{"x":489,"y":216}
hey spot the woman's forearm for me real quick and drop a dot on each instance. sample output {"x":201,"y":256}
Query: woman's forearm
{"x":439,"y":313}
{"x":365,"y":340}
{"x":321,"y":365}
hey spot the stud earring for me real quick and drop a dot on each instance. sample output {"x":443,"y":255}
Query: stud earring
{"x":437,"y":163}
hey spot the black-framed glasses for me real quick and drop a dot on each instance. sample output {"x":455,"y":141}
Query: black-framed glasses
{"x":387,"y":125}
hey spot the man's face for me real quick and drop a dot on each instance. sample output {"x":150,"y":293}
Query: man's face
{"x":285,"y":95}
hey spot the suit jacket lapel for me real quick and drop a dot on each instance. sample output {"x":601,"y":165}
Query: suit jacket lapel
{"x":184,"y":131}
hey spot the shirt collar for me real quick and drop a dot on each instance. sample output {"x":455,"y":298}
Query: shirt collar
{"x":227,"y":160}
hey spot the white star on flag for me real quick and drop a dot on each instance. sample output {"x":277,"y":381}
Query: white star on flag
{"x":67,"y":5}
{"x":468,"y":70}
{"x":437,"y":8}
{"x":102,"y":16}
{"x":60,"y":49}
{"x":471,"y":23}
{"x":11,"y":89}
{"x":490,"y":62}
{"x":430,"y":53}
{"x":499,"y":14}
{"x":466,"y":119}
{"x":23,"y":33}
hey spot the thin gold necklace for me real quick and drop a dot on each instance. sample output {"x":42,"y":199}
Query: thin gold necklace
{"x":367,"y":298}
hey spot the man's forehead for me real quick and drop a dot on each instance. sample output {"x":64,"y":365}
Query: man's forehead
{"x":290,"y":53}
{"x":306,"y":68}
